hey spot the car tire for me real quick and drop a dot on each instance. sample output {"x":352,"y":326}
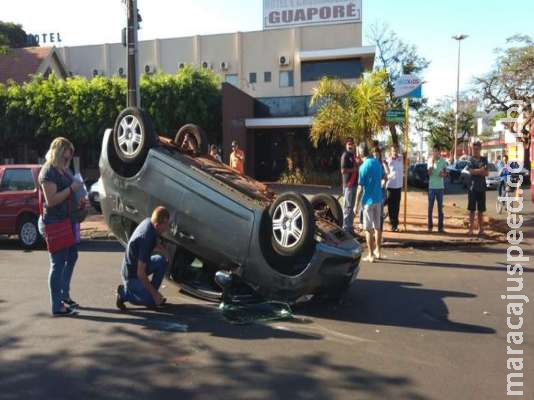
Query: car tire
{"x":28,"y":232}
{"x":292,"y":225}
{"x":328,"y":208}
{"x":133,"y":136}
{"x":200,"y":147}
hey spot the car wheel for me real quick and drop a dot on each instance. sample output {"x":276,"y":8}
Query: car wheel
{"x":328,"y":208}
{"x":192,"y":138}
{"x":133,"y":135}
{"x":28,"y":233}
{"x":292,"y":225}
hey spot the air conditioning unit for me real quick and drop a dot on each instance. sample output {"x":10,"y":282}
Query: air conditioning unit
{"x":225,"y":66}
{"x":284,"y":60}
{"x":121,"y":72}
{"x":206,"y":65}
{"x":181,"y":65}
{"x":149,"y":69}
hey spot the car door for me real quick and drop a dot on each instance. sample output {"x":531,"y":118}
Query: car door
{"x":17,"y":194}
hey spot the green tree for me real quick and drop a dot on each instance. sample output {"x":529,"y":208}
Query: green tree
{"x":512,"y":79}
{"x":438,"y":122}
{"x":12,"y":36}
{"x":397,"y":58}
{"x":349,"y":110}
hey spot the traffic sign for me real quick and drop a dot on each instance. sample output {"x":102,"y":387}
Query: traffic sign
{"x":395,"y":116}
{"x":408,"y":86}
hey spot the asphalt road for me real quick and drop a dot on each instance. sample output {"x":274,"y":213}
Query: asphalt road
{"x":422,"y":325}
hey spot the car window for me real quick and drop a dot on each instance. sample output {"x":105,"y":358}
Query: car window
{"x":15,"y":180}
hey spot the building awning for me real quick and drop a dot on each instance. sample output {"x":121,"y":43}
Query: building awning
{"x":337,"y":54}
{"x":273,"y":123}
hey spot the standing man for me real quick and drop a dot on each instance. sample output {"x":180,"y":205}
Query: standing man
{"x":437,"y":171}
{"x":394,"y":186}
{"x":478,"y":169}
{"x":370,"y":194}
{"x":349,"y":174}
{"x":139,"y":263}
{"x":499,"y":164}
{"x":237,"y":158}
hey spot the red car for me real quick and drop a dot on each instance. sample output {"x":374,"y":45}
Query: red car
{"x":19,"y":208}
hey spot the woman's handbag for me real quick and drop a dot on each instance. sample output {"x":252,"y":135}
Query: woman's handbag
{"x":58,"y":235}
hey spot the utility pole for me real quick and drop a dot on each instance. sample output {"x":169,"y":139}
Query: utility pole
{"x":458,"y":38}
{"x":133,"y":97}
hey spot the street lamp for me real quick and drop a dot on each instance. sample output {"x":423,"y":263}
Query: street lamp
{"x":458,"y":38}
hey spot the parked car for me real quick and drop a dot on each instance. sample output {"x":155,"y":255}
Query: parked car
{"x":94,"y":195}
{"x":276,"y":246}
{"x":455,"y":170}
{"x":19,"y":208}
{"x":492,"y":180}
{"x":418,"y":175}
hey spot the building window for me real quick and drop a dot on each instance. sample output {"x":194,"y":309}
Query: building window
{"x":252,"y":77}
{"x":286,"y":79}
{"x":16,"y":180}
{"x":267,"y":76}
{"x":232,"y":79}
{"x":341,"y":69}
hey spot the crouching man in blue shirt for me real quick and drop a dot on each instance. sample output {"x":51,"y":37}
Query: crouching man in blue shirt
{"x":139,"y":263}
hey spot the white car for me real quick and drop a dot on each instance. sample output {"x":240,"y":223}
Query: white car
{"x":492,"y":180}
{"x":95,"y":195}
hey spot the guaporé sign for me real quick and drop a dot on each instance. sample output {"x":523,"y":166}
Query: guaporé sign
{"x":291,"y":13}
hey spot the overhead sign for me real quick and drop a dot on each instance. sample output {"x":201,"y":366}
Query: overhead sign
{"x":395,"y":116}
{"x":409,"y":86}
{"x":291,"y":13}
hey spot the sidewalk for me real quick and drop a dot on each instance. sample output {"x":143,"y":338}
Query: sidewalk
{"x":417,"y":236}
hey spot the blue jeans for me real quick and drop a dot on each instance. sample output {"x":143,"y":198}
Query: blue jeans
{"x":349,"y":198}
{"x":61,"y":268}
{"x":134,"y":291}
{"x":435,"y":194}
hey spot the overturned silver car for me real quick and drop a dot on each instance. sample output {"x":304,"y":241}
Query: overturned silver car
{"x":282,"y":247}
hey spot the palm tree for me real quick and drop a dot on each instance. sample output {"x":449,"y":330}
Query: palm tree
{"x":349,"y":110}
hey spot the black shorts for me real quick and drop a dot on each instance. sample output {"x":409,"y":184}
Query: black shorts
{"x":476,"y":200}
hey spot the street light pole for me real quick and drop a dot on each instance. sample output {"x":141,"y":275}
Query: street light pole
{"x":458,"y":38}
{"x":133,"y":97}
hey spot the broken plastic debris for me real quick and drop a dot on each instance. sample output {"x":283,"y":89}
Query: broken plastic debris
{"x":242,"y":314}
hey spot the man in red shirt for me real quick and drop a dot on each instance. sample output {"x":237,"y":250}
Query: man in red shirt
{"x":237,"y":158}
{"x":349,"y":174}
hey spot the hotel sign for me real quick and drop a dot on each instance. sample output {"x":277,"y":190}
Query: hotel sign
{"x":291,"y":13}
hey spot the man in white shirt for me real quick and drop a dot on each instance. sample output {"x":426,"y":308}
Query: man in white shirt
{"x":394,"y":186}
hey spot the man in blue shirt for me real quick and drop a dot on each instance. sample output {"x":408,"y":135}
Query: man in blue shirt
{"x":139,"y":263}
{"x":371,"y":195}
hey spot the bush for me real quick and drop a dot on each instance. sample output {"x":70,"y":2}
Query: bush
{"x":82,"y":109}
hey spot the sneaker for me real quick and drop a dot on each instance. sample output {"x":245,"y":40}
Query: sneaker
{"x":71,"y":303}
{"x":67,"y":312}
{"x":394,"y":229}
{"x":441,"y":231}
{"x":120,"y":302}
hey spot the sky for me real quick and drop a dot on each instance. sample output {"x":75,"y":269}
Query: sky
{"x":427,"y":24}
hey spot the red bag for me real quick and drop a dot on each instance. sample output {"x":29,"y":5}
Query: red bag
{"x":59,"y":235}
